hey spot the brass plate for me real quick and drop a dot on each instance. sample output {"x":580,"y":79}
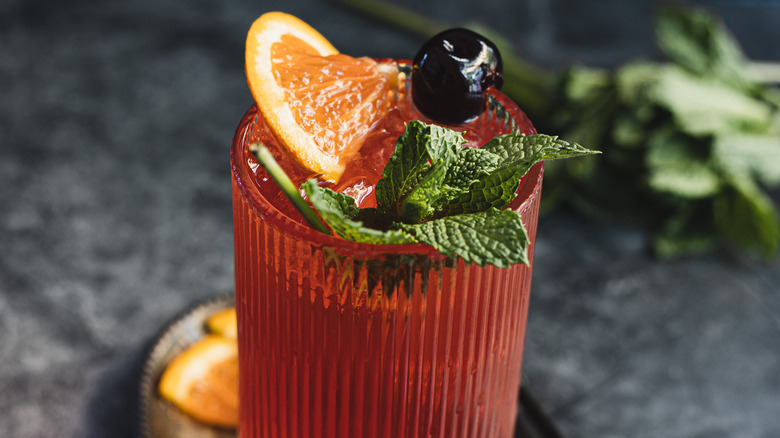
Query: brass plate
{"x":159,"y":418}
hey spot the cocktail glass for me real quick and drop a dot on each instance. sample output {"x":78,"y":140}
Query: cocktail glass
{"x":344,"y":339}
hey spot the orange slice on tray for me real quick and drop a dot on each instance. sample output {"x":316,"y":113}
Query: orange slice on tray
{"x":203,"y":381}
{"x":223,"y":323}
{"x":319,"y":104}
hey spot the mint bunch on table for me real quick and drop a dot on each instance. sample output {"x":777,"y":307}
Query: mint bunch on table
{"x":434,"y":190}
{"x":691,"y":144}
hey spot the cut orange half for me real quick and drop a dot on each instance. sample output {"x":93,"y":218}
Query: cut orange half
{"x":203,"y":381}
{"x":319,"y":104}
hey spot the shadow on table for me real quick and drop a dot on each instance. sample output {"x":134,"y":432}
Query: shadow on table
{"x":113,"y":411}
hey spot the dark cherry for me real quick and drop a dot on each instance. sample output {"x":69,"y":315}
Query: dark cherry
{"x":451,"y":73}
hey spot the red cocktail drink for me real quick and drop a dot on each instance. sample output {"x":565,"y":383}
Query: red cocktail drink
{"x":346,"y":339}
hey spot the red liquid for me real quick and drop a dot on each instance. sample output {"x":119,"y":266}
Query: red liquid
{"x":339,"y":339}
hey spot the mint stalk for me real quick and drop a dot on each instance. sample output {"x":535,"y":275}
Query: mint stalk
{"x":266,"y":159}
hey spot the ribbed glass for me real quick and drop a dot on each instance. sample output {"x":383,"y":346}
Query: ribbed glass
{"x":340,"y":339}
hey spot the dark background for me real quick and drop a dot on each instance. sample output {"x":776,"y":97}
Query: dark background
{"x":115,"y":214}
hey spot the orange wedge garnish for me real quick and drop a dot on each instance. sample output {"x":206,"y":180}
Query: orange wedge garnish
{"x":319,"y":104}
{"x":203,"y":381}
{"x":223,"y":323}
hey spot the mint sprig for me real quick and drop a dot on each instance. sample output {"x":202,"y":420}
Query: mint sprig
{"x":694,"y":141}
{"x":435,"y":191}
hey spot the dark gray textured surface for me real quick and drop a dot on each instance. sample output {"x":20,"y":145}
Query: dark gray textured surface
{"x":115,"y":214}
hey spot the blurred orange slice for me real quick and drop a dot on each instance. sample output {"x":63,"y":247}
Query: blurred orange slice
{"x":223,"y":323}
{"x":203,"y":381}
{"x":320,"y":104}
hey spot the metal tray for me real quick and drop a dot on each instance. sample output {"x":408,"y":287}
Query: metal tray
{"x":160,"y":419}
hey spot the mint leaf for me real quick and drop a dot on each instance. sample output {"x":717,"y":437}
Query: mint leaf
{"x":470,"y":165}
{"x":417,"y":149}
{"x":748,"y":217}
{"x":680,"y":166}
{"x":495,"y":237}
{"x":695,"y":181}
{"x":705,"y":107}
{"x":695,"y":40}
{"x":422,"y":200}
{"x":339,"y":212}
{"x":330,"y":203}
{"x":756,"y":155}
{"x":635,"y":81}
{"x":583,"y":85}
{"x":689,"y":230}
{"x":517,"y":154}
{"x":590,"y":104}
{"x":444,"y":182}
{"x":520,"y":148}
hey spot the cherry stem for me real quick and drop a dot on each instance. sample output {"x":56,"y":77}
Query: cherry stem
{"x":400,"y":17}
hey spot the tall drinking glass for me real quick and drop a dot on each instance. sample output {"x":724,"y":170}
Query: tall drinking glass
{"x":344,"y":339}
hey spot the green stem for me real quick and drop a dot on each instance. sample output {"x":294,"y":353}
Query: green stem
{"x":397,"y":16}
{"x":266,"y":159}
{"x":531,"y":87}
{"x":765,"y":72}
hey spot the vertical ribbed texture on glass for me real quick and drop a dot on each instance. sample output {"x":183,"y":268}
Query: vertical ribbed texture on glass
{"x":395,"y":346}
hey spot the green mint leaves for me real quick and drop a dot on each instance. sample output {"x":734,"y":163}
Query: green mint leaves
{"x":691,"y":145}
{"x":435,"y":191}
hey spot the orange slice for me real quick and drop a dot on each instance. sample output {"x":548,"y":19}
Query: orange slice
{"x":319,"y":104}
{"x":203,"y":381}
{"x":223,"y":323}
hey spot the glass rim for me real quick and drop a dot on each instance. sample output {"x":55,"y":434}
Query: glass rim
{"x":528,"y":191}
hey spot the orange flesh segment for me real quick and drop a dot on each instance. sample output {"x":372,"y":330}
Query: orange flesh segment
{"x":335,"y":98}
{"x":319,"y":104}
{"x":203,"y":381}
